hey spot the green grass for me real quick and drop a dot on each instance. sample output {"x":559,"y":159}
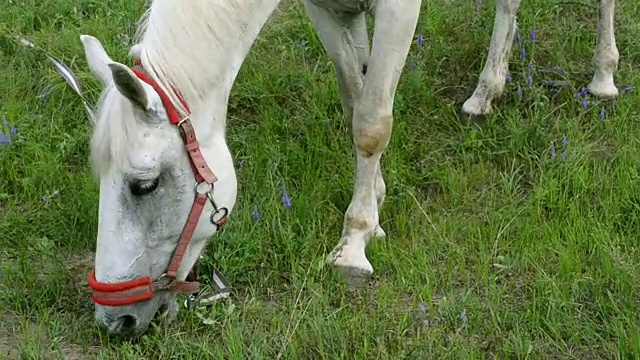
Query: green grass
{"x":495,"y":248}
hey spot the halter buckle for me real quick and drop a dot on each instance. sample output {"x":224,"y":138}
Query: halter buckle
{"x":164,"y":281}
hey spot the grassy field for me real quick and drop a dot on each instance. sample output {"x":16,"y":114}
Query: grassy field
{"x":514,"y":237}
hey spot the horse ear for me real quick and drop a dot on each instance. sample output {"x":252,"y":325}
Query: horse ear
{"x":130,"y":86}
{"x":97,"y":58}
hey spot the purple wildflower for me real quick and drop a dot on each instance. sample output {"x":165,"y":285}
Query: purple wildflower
{"x":1,"y":138}
{"x":533,"y":34}
{"x":553,"y":149}
{"x":563,"y":155}
{"x":463,"y":317}
{"x":559,"y":70}
{"x":509,"y":78}
{"x":286,"y":200}
{"x":523,"y":52}
{"x":585,"y":103}
{"x":14,"y":131}
{"x":564,"y":140}
{"x":629,"y":89}
{"x":529,"y":80}
{"x":7,"y":140}
{"x":520,"y":92}
{"x":5,"y":123}
{"x":55,"y":193}
{"x":255,"y":214}
{"x":557,"y":83}
{"x":420,"y":39}
{"x":601,"y":116}
{"x":422,"y":308}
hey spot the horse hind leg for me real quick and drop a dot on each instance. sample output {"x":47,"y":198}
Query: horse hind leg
{"x":493,"y":77}
{"x":606,"y":54}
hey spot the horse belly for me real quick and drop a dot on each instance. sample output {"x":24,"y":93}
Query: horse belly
{"x":351,"y":6}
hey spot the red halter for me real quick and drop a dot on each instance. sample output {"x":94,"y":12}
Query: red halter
{"x":142,"y":289}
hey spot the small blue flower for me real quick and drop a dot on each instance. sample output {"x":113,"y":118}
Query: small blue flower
{"x":255,"y":214}
{"x":5,"y":123}
{"x":533,"y":34}
{"x":601,"y":116}
{"x":420,"y":39}
{"x":564,"y":140}
{"x":563,"y":155}
{"x":286,"y":200}
{"x":520,"y":92}
{"x":557,"y":83}
{"x":559,"y":70}
{"x":509,"y":78}
{"x":529,"y":80}
{"x":463,"y":316}
{"x":422,"y":308}
{"x":629,"y":89}
{"x":523,"y":52}
{"x":7,"y":140}
{"x":2,"y":141}
{"x":585,"y":103}
{"x":14,"y":132}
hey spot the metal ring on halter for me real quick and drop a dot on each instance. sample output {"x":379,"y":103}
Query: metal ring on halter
{"x":208,"y":191}
{"x":164,"y":280}
{"x":218,"y":215}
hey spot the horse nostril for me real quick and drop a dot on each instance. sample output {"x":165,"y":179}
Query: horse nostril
{"x":127,"y":323}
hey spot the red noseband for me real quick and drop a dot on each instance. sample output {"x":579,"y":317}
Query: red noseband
{"x":142,"y":289}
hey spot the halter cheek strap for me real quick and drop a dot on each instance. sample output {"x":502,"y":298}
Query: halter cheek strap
{"x":144,"y":288}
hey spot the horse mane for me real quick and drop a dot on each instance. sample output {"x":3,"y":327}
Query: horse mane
{"x":183,"y":45}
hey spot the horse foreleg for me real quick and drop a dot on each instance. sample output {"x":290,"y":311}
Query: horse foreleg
{"x":372,"y":125}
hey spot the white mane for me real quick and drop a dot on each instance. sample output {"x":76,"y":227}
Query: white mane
{"x":184,"y":45}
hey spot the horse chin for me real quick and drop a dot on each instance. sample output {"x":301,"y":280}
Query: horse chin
{"x":167,"y":311}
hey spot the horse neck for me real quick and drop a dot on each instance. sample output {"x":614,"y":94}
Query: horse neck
{"x":198,"y":50}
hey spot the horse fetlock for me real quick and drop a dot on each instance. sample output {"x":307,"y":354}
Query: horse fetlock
{"x":607,"y":60}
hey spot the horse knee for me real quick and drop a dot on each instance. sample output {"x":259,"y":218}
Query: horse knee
{"x":372,"y":132}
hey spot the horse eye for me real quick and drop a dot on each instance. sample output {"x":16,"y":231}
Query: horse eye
{"x":140,"y":187}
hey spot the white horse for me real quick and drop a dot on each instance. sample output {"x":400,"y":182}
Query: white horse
{"x":159,"y":144}
{"x":189,"y":56}
{"x":493,"y":76}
